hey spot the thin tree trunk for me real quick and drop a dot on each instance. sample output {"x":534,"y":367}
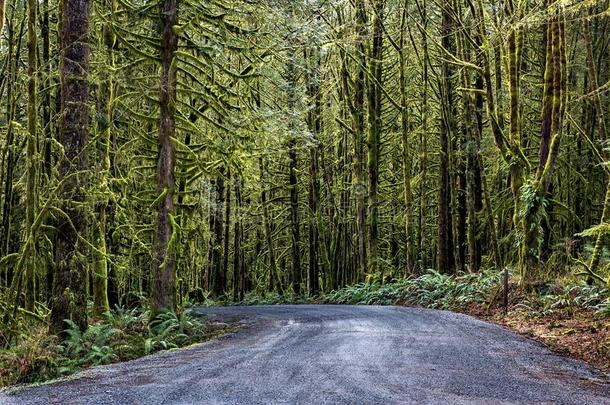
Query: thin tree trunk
{"x":314,"y":124}
{"x":218,"y":281}
{"x":423,"y":141}
{"x":445,"y":259}
{"x":358,"y":131}
{"x":30,"y":203}
{"x":295,"y":273}
{"x":238,"y":259}
{"x":13,"y":70}
{"x":406,"y":155}
{"x":374,"y":135}
{"x":274,"y":284}
{"x":100,"y":268}
{"x":227,"y":229}
{"x":603,"y":135}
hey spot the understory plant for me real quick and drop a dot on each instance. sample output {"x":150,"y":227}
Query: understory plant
{"x":459,"y":291}
{"x":432,"y":289}
{"x":119,"y":335}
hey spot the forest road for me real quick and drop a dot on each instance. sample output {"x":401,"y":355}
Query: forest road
{"x":322,"y":354}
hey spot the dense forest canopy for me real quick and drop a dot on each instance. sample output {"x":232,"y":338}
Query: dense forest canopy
{"x":174,"y":150}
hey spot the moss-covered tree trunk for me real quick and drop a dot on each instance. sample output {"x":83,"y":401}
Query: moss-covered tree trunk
{"x":215,"y":251}
{"x":423,"y":145}
{"x":406,"y":153}
{"x":163,"y":269}
{"x":12,"y":63}
{"x":274,"y":283}
{"x":374,"y":97}
{"x":238,"y":254}
{"x":69,"y":296}
{"x":603,"y":135}
{"x":553,"y":110}
{"x":227,"y":231}
{"x":445,"y":254}
{"x":358,"y":129}
{"x":31,"y":156}
{"x":314,"y":123}
{"x":294,"y":220}
{"x":100,"y":265}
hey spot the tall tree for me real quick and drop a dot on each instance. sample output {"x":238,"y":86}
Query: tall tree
{"x":69,"y":299}
{"x":374,"y":83}
{"x":31,"y":163}
{"x":445,"y":256}
{"x":163,"y":270}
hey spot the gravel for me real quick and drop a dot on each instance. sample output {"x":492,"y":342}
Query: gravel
{"x":336,"y":354}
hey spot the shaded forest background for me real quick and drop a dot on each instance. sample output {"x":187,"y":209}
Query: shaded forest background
{"x":170,"y":151}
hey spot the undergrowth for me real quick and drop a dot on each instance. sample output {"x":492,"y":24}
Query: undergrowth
{"x":119,"y":336}
{"x":431,"y":290}
{"x":451,"y":292}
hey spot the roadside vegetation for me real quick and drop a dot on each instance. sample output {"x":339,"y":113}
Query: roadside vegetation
{"x":119,"y":335}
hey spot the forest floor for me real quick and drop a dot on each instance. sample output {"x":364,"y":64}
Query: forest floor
{"x":584,"y":334}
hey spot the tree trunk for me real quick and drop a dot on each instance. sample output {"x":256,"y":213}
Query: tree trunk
{"x":295,"y":273}
{"x":601,"y":127}
{"x":358,"y":131}
{"x":553,"y":109}
{"x":227,"y":230}
{"x":30,"y":203}
{"x":238,"y":259}
{"x":163,"y":269}
{"x":274,"y":284}
{"x":100,"y":267}
{"x":69,"y":295}
{"x":217,"y":276}
{"x":406,"y":155}
{"x":445,"y":259}
{"x":374,"y":136}
{"x":314,"y":124}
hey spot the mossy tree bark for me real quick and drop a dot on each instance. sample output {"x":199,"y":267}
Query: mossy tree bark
{"x":314,"y":123}
{"x":406,"y":153}
{"x":31,"y":158}
{"x":553,"y":110}
{"x":69,"y":295}
{"x":603,"y":135}
{"x":163,"y":265}
{"x":445,"y":253}
{"x":358,"y":130}
{"x":374,"y":101}
{"x":107,"y":92}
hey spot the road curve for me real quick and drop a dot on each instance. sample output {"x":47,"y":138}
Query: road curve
{"x":317,"y":354}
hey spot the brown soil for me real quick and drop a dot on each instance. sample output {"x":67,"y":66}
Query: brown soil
{"x":580,"y":334}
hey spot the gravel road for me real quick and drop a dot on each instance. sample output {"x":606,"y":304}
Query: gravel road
{"x":318,"y":354}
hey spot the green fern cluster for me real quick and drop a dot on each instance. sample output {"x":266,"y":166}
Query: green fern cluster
{"x":568,"y":299}
{"x":169,"y":331}
{"x":432,"y":289}
{"x":120,"y":335}
{"x":89,"y":348}
{"x":443,"y":291}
